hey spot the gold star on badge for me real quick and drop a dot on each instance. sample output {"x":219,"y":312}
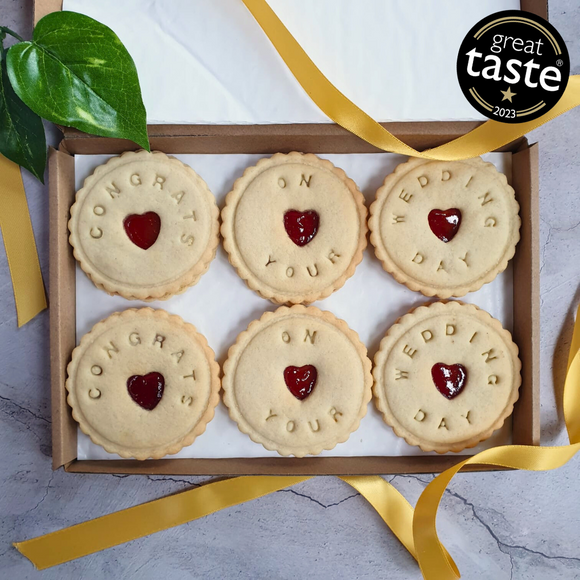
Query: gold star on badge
{"x":508,"y":95}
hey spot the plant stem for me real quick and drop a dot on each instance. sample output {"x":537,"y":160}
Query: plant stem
{"x":7,"y":30}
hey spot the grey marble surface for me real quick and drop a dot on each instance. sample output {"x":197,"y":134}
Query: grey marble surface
{"x":319,"y":528}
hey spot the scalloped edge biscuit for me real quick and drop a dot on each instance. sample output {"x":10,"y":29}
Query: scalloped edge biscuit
{"x":163,"y":292}
{"x":235,"y":351}
{"x":232,"y":251}
{"x":404,"y":278}
{"x":110,"y":322}
{"x":394,"y":333}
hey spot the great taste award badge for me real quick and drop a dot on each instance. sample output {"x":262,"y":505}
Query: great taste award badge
{"x":513,"y":66}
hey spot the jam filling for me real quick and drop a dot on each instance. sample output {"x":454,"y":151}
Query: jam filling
{"x":301,"y":380}
{"x":143,"y":229}
{"x":146,"y":390}
{"x":450,"y":380}
{"x":301,"y":226}
{"x":445,"y":223}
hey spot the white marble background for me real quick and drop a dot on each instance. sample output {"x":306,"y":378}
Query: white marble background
{"x":497,"y":526}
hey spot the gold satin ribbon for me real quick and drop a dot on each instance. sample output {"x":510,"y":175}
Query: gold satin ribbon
{"x":126,"y":525}
{"x":145,"y":519}
{"x":19,"y":243}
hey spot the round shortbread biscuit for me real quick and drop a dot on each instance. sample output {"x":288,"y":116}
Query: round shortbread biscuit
{"x":298,"y":381}
{"x":445,"y":228}
{"x":446,"y":376}
{"x":144,"y":226}
{"x":294,"y":227}
{"x":143,"y":383}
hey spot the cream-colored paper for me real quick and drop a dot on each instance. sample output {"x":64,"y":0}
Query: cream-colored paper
{"x":221,"y":306}
{"x":208,"y":61}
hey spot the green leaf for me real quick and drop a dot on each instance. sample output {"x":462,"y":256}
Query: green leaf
{"x":76,"y":72}
{"x":22,"y":137}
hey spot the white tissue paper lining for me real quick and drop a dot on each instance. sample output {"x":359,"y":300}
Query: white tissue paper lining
{"x":221,"y":306}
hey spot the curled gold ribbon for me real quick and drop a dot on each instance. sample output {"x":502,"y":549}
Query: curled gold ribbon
{"x":487,"y":137}
{"x":19,"y":244}
{"x":393,"y":508}
{"x":431,"y":555}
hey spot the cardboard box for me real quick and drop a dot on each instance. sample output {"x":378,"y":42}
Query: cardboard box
{"x":269,"y":139}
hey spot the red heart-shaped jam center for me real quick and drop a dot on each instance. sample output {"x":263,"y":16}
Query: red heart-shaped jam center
{"x":146,"y":390}
{"x":301,"y":226}
{"x":445,"y":223}
{"x":301,"y":380}
{"x":449,"y":379}
{"x":143,"y":229}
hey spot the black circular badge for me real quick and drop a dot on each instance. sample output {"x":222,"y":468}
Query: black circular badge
{"x":513,"y":66}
